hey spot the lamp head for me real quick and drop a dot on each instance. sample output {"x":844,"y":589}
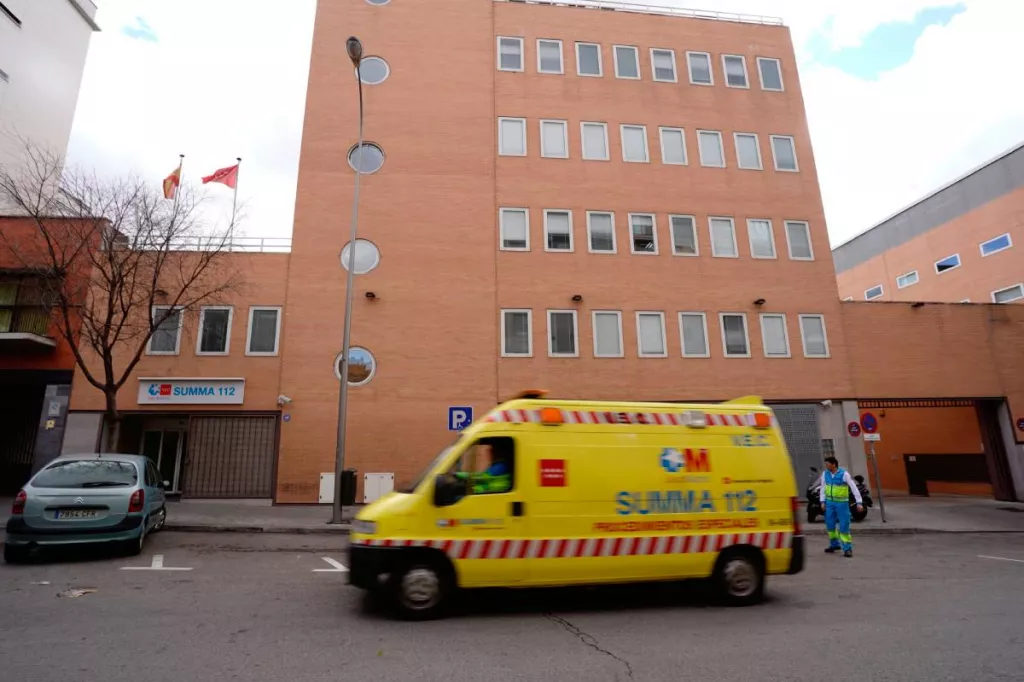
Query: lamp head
{"x":355,"y":50}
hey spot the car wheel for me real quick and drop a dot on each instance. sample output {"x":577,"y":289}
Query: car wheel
{"x":14,"y":554}
{"x":161,"y":519}
{"x":135,"y":545}
{"x":740,"y":577}
{"x":421,"y":589}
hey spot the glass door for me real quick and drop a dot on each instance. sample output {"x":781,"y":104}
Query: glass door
{"x":165,"y":449}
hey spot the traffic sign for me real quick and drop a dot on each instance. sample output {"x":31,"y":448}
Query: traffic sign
{"x":869,"y":423}
{"x":872,"y":437}
{"x":853,"y":428}
{"x":459,"y":418}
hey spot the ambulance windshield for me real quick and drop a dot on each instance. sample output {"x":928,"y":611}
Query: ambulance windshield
{"x":430,"y":467}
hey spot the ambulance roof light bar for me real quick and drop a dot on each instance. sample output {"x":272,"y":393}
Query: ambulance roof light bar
{"x":531,"y":394}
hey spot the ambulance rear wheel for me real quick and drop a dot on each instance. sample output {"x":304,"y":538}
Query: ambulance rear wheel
{"x":421,"y":589}
{"x":740,"y":577}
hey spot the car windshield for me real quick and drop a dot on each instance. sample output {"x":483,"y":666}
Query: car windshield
{"x":430,"y":467}
{"x":87,"y":473}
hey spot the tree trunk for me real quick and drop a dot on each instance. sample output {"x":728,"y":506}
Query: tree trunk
{"x":111,"y":424}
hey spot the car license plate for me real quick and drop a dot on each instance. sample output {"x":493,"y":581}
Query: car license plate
{"x":77,"y":513}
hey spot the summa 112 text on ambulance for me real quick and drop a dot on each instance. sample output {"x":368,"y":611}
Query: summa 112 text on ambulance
{"x":680,"y":502}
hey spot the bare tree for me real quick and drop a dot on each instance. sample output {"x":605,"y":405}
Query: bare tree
{"x":116,"y":262}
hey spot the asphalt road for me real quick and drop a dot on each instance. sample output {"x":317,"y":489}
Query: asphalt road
{"x":252,"y":608}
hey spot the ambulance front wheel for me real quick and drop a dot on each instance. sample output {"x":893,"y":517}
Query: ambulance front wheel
{"x":422,"y":588}
{"x":740,"y":576}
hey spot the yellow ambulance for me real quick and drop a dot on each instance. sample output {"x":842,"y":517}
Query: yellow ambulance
{"x":546,"y":492}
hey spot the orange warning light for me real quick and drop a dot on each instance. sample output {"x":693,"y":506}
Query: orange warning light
{"x":762,"y":420}
{"x":551,"y":416}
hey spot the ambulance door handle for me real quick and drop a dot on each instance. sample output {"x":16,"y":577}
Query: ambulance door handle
{"x":517,"y":509}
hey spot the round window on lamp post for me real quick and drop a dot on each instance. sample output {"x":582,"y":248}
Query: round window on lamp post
{"x":361,"y":366}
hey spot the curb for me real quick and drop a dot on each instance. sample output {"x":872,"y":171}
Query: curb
{"x":343,"y":529}
{"x":913,"y":531}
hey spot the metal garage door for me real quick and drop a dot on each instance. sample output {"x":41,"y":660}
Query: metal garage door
{"x":799,"y":424}
{"x":231,"y":457}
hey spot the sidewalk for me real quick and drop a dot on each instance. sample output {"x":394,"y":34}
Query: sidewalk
{"x":253,"y":516}
{"x":936,"y":514}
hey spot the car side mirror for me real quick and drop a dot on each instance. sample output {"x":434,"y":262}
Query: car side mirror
{"x":446,"y":491}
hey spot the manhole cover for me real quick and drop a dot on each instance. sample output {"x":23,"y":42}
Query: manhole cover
{"x":1012,"y":509}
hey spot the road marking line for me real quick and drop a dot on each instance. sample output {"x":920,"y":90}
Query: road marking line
{"x":338,"y":568}
{"x":157,"y":565}
{"x":1000,"y":558}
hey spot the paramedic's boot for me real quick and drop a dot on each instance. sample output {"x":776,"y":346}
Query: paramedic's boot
{"x":831,"y":550}
{"x":848,"y":554}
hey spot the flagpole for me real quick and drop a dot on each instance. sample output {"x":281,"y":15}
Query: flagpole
{"x":177,"y":190}
{"x":234,"y":203}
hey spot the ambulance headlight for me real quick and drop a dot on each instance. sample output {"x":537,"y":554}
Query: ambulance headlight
{"x":364,"y":527}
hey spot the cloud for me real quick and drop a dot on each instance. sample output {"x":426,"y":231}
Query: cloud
{"x":140,"y":30}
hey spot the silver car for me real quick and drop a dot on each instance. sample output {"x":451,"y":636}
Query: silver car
{"x":78,"y":499}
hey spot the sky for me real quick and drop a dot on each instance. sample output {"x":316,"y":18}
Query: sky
{"x":902,"y":96}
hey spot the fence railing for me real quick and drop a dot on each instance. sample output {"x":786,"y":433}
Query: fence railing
{"x":650,"y":8}
{"x":234,"y":245}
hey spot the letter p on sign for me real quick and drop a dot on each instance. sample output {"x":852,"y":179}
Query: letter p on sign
{"x":459,"y":418}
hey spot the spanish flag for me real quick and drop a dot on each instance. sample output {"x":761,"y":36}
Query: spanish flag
{"x":171,"y":183}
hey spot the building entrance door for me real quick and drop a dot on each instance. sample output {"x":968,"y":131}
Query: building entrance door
{"x":166,"y":448}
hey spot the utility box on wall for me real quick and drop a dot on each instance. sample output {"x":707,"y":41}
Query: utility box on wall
{"x":376,"y":486}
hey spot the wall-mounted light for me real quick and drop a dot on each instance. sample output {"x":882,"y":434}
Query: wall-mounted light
{"x":577,"y":298}
{"x":759,"y":301}
{"x":370,"y":295}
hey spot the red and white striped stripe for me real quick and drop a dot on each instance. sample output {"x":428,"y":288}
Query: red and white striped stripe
{"x":566,"y":548}
{"x":606,"y":417}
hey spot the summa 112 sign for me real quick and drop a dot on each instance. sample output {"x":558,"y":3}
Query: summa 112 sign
{"x":167,"y":391}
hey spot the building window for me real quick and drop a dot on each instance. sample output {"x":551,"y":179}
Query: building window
{"x":711,"y":153}
{"x":873,"y":293}
{"x":700,"y":68}
{"x":673,"y":146}
{"x":601,"y":232}
{"x":588,"y":60}
{"x":374,"y":70}
{"x":512,"y":136}
{"x":554,"y":139}
{"x":723,"y":238}
{"x":595,"y":141}
{"x":516,"y":333}
{"x":771,"y":73}
{"x":366,"y":159}
{"x":909,"y":279}
{"x":627,"y":62}
{"x":167,"y":332}
{"x":264,"y":333}
{"x":947,"y":264}
{"x":362,"y":366}
{"x":643,"y":235}
{"x":828,"y":447}
{"x":784,"y":153}
{"x":748,"y":151}
{"x":735,"y":340}
{"x":510,"y":54}
{"x":663,"y":64}
{"x":549,"y":56}
{"x":684,"y":235}
{"x":650,"y":333}
{"x":214,"y":330}
{"x":562,"y":334}
{"x":607,"y":334}
{"x":514,"y":225}
{"x":774,"y":335}
{"x":798,"y":237}
{"x":735,"y":68}
{"x":812,"y":329}
{"x":762,"y":238}
{"x":558,"y":230}
{"x":634,"y":144}
{"x":1014,"y":293}
{"x":1000,"y":243}
{"x":693,"y":333}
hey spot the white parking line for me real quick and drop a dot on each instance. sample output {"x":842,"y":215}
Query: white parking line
{"x":157,"y":565}
{"x":338,"y":568}
{"x":1000,"y":558}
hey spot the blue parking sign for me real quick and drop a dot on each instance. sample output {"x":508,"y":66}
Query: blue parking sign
{"x":459,"y":418}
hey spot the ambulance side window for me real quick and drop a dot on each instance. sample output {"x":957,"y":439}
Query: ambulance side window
{"x":487,"y":466}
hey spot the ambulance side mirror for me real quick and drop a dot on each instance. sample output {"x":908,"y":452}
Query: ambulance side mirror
{"x":446,"y":491}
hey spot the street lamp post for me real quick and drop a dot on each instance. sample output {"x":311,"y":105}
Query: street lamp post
{"x":355,"y":53}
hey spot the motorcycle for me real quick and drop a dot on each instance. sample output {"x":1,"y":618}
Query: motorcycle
{"x":815,"y":507}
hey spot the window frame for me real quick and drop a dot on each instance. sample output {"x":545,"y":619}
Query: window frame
{"x":1019,"y":286}
{"x":757,"y":148}
{"x":711,"y":235}
{"x":575,"y":333}
{"x":522,"y":53}
{"x":639,"y":338}
{"x":561,"y":57}
{"x":615,"y":59}
{"x":775,"y":157}
{"x":917,"y":279}
{"x":760,"y":74}
{"x":746,"y":334}
{"x":1009,"y":245}
{"x":600,"y":60}
{"x":785,"y":336}
{"x":565,"y":137}
{"x":789,"y":242}
{"x":529,"y":333}
{"x":881,"y":292}
{"x":746,"y":72}
{"x":501,"y":228}
{"x":824,"y":336}
{"x":693,"y":228}
{"x":501,"y":137}
{"x":622,"y":139}
{"x":572,"y":241}
{"x":711,"y":68}
{"x":227,"y":337}
{"x":959,"y":262}
{"x":771,"y":235}
{"x":661,"y":138}
{"x":177,"y":338}
{"x":654,"y":70}
{"x":654,"y":227}
{"x":277,"y":332}
{"x":593,"y":325}
{"x":583,"y":141}
{"x":590,"y":244}
{"x":682,"y":334}
{"x":721,"y":148}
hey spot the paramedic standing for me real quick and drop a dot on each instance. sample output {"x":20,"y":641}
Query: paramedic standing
{"x":836,"y":486}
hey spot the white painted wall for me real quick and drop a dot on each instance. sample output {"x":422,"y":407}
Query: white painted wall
{"x":43,"y":60}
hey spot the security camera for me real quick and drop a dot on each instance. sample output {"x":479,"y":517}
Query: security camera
{"x":826,"y":404}
{"x":283,"y":400}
